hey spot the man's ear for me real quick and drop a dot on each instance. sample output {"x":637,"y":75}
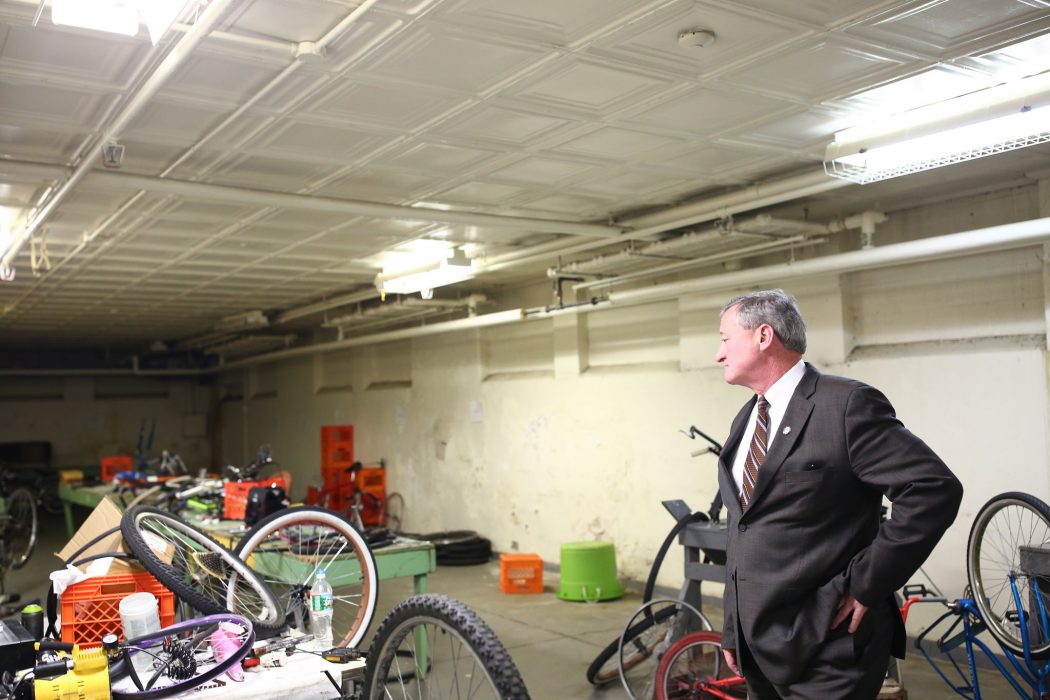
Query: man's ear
{"x":765,"y":336}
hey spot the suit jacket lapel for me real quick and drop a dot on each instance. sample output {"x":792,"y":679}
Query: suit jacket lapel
{"x":797,"y":414}
{"x":729,"y":450}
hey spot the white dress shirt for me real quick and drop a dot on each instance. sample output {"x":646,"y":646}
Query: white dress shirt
{"x":778,"y":397}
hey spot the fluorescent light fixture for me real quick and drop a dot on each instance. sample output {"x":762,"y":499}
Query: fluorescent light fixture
{"x":114,"y":16}
{"x":982,"y":123}
{"x":425,"y":277}
{"x":118,"y":16}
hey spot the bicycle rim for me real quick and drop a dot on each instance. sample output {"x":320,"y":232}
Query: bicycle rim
{"x":693,"y":669}
{"x":185,"y":655}
{"x":21,"y":530}
{"x":1005,"y":523}
{"x":606,"y":665}
{"x":639,"y":657}
{"x":433,"y":647}
{"x":199,"y":570}
{"x":288,"y":548}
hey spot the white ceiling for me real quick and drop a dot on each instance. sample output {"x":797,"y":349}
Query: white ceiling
{"x":573,"y":111}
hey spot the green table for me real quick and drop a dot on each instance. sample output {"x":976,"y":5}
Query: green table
{"x":403,"y":558}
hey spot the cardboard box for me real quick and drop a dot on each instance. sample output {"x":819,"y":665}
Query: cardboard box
{"x":104,"y":517}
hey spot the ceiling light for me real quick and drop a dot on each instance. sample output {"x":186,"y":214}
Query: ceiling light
{"x":998,"y":119}
{"x":425,"y":277}
{"x":118,"y":16}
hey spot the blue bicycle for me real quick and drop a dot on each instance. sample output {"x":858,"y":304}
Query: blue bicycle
{"x":1008,"y":567}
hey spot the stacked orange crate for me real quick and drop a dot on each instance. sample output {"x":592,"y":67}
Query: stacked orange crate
{"x":337,"y":454}
{"x":373,"y":482}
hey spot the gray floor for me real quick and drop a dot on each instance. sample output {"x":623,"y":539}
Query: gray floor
{"x":551,"y":641}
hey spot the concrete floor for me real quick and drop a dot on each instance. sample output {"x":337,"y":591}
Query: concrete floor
{"x":551,"y":641}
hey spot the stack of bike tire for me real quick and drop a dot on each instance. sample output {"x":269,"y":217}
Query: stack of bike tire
{"x":458,"y":547}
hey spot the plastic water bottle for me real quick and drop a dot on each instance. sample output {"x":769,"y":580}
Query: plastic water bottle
{"x":321,"y":612}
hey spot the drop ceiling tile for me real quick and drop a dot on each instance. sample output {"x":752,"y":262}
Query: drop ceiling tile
{"x":223,"y":78}
{"x":941,"y":28}
{"x":711,"y":160}
{"x":475,"y":192}
{"x":72,"y":53}
{"x":797,"y":131}
{"x":437,"y":158}
{"x":293,"y":139}
{"x":704,"y":112}
{"x":398,"y":106}
{"x":580,"y":205}
{"x":820,"y":68}
{"x":378,"y":185}
{"x":821,"y":13}
{"x":503,"y":125}
{"x":450,"y":58}
{"x":288,"y":175}
{"x":536,"y":170}
{"x":616,"y":144}
{"x":629,"y":183}
{"x":551,"y":21}
{"x":740,"y":34}
{"x":588,"y":86}
{"x":291,"y":20}
{"x":50,"y":105}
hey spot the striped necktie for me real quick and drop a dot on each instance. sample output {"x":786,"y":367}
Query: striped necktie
{"x":756,"y":454}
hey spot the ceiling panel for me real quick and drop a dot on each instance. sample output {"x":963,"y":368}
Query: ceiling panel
{"x":580,"y":111}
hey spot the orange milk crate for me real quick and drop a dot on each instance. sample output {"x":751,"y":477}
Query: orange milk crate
{"x":111,"y":466}
{"x":235,"y":495}
{"x":520,"y":573}
{"x":91,"y":608}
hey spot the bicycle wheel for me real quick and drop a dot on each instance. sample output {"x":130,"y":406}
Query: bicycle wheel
{"x":21,"y":530}
{"x":693,"y":669}
{"x":1003,"y":524}
{"x":185,"y":655}
{"x":287,"y":548}
{"x":199,"y":570}
{"x":434,"y":647}
{"x":639,"y":657}
{"x":606,"y":665}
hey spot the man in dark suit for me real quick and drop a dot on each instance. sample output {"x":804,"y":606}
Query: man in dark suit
{"x":810,"y":571}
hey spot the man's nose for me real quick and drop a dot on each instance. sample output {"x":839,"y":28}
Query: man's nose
{"x":720,"y":356}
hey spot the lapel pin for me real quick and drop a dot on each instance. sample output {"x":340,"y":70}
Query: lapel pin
{"x":787,"y":430}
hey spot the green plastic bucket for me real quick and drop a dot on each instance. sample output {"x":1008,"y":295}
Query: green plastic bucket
{"x":588,"y":572}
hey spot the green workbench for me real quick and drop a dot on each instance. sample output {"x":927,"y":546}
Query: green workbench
{"x":402,"y":558}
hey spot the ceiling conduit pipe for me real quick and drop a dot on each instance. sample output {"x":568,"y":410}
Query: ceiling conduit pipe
{"x":984,"y":240}
{"x":270,"y":198}
{"x":128,"y":112}
{"x":753,"y":197}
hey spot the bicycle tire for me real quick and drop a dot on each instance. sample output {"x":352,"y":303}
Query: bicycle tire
{"x":191,"y":579}
{"x":680,"y":675}
{"x":638,"y":661}
{"x":1003,"y":522}
{"x":279,"y":573}
{"x":414,"y":620}
{"x":186,"y":626}
{"x":605,"y":667}
{"x":21,"y":507}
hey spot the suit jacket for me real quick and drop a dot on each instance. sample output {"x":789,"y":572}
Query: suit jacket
{"x":811,"y":531}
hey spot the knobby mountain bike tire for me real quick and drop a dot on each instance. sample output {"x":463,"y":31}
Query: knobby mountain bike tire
{"x":288,"y":547}
{"x":195,"y":635}
{"x":199,"y":570}
{"x":1003,"y":524}
{"x":20,"y":532}
{"x":693,"y":668}
{"x":434,"y":647}
{"x":605,"y":667}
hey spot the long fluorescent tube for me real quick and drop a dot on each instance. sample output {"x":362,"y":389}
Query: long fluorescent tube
{"x":115,"y":16}
{"x":424,"y":278}
{"x":983,"y":123}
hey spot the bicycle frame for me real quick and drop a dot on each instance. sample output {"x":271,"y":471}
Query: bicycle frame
{"x":965,"y":609}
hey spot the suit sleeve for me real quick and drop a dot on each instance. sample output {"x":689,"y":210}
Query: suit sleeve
{"x":925,"y":495}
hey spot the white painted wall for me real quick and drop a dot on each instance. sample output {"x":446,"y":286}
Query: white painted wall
{"x":551,"y":431}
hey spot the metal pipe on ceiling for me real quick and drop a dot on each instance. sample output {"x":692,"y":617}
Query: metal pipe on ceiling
{"x":984,"y":240}
{"x":134,"y":105}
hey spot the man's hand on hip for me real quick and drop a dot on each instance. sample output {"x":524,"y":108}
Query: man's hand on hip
{"x":730,"y":656}
{"x":852,"y":608}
